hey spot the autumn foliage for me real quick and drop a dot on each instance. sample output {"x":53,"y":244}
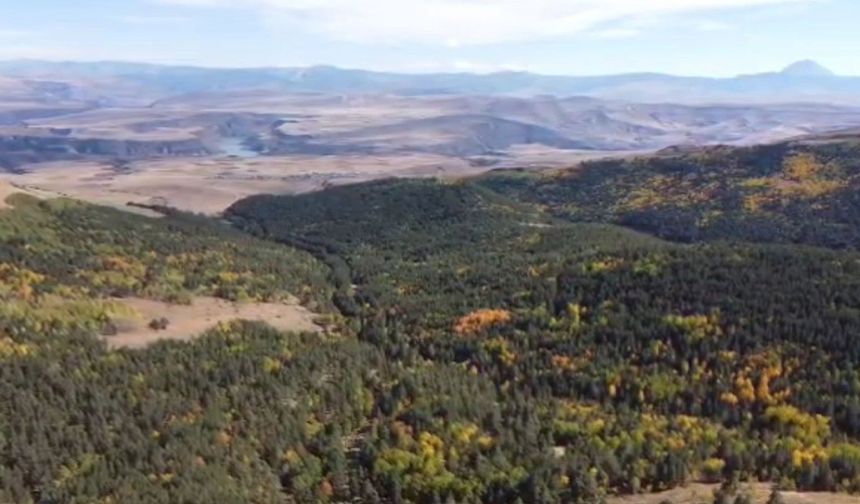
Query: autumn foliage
{"x":481,"y":319}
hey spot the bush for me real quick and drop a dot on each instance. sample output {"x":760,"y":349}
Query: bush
{"x":775,"y":497}
{"x":159,"y":324}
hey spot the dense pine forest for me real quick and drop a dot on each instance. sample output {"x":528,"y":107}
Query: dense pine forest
{"x":621,"y":327}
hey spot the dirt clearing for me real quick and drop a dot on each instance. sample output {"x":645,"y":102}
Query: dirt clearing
{"x":184,"y":322}
{"x":6,"y":190}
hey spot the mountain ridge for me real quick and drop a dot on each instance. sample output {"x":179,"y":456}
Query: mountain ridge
{"x":110,"y":66}
{"x":804,"y":80}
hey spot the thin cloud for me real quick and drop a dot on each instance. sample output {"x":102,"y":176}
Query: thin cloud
{"x":468,"y":22}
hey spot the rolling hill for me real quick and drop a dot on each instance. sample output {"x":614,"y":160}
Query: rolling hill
{"x":801,"y":191}
{"x":501,"y":338}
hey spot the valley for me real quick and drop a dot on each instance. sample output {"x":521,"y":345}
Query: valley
{"x":123,"y":138}
{"x":429,"y":252}
{"x":255,"y":288}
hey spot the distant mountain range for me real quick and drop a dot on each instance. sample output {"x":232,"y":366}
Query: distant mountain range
{"x":804,"y":81}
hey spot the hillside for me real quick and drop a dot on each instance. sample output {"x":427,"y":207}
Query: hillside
{"x":81,"y":421}
{"x":482,"y":342}
{"x":580,"y":360}
{"x":802,"y":191}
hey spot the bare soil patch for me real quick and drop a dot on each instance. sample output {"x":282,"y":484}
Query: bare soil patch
{"x":185,"y":322}
{"x":6,"y":190}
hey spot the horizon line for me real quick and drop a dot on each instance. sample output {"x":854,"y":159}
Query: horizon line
{"x":201,"y":66}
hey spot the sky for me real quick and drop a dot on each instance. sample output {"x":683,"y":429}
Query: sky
{"x":565,"y":37}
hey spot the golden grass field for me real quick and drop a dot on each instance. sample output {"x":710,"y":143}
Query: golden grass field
{"x":209,"y":185}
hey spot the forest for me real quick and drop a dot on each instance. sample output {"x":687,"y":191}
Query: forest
{"x":515,"y":337}
{"x":794,"y":192}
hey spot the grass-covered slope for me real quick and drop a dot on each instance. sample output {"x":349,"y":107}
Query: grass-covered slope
{"x":605,"y":361}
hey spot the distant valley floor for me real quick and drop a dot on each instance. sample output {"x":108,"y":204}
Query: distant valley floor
{"x":208,"y":185}
{"x":204,"y":151}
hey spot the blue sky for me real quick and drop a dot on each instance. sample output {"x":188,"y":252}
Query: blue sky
{"x":576,"y":37}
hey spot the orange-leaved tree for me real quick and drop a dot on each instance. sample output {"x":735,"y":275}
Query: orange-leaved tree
{"x":481,"y":319}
